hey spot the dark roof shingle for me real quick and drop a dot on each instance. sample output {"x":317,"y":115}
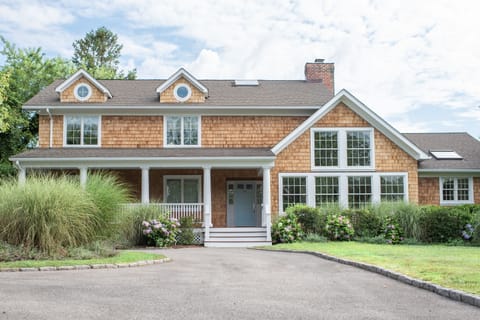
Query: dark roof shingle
{"x":464,"y":144}
{"x":221,"y":93}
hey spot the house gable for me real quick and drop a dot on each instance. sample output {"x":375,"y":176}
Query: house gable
{"x":182,"y":87}
{"x":95,"y":91}
{"x":364,"y":113}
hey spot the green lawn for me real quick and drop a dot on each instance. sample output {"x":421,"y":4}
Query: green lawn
{"x":122,"y":257}
{"x":451,"y":267}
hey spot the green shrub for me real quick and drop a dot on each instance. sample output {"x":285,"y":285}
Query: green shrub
{"x":286,"y":229}
{"x":365,"y":222}
{"x":339,"y":228}
{"x":309,"y":218}
{"x":443,"y":224}
{"x":186,"y":235}
{"x":374,"y":240}
{"x":313,"y":237}
{"x":161,"y":232}
{"x":476,"y":227}
{"x":46,"y":213}
{"x":107,"y":193}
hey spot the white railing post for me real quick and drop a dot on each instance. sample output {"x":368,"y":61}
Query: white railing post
{"x":22,"y":176}
{"x":207,"y":201}
{"x":145,"y":185}
{"x":83,"y":176}
{"x":266,"y":210}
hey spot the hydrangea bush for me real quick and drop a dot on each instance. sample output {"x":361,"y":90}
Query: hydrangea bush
{"x":161,"y":232}
{"x":286,"y":229}
{"x":339,"y":228}
{"x":393,"y":232}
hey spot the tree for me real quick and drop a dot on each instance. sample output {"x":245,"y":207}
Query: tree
{"x":99,"y":53}
{"x":24,"y":73}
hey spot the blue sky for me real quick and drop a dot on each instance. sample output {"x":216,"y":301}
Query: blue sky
{"x":415,"y":63}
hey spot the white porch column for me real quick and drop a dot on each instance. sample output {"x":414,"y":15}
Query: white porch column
{"x":22,"y":175}
{"x":83,"y":176}
{"x":266,"y":210}
{"x":145,"y":185}
{"x":207,"y":201}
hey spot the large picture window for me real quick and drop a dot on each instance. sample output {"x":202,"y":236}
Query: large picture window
{"x":392,"y":188}
{"x":455,"y":190}
{"x":182,"y":130}
{"x":326,"y":190}
{"x":342,"y":148}
{"x":294,"y":191}
{"x":182,"y":189}
{"x":81,"y":130}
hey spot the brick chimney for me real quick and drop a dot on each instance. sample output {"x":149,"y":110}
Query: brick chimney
{"x":319,"y":71}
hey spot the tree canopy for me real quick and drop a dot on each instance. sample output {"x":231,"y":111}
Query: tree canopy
{"x":24,"y":73}
{"x":99,"y":53}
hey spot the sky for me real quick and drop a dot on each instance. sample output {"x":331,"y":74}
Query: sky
{"x":414,"y":63}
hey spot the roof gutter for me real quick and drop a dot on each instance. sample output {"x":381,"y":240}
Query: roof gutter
{"x":50,"y":134}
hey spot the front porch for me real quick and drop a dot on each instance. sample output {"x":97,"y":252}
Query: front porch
{"x":218,"y":188}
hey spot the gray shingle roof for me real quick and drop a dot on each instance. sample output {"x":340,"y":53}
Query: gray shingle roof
{"x":464,"y":144}
{"x":69,"y":153}
{"x":221,"y":93}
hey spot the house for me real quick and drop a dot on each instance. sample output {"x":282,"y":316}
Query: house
{"x":232,"y":153}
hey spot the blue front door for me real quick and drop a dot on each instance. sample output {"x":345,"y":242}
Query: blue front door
{"x":242,"y":206}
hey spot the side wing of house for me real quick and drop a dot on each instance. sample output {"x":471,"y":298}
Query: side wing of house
{"x":345,"y":154}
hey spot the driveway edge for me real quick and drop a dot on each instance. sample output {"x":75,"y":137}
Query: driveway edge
{"x":452,"y":294}
{"x":90,"y":266}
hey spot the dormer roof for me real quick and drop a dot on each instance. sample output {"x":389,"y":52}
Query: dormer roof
{"x":82,"y":74}
{"x":182,"y":73}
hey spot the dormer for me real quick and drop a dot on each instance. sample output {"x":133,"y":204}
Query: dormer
{"x":81,"y":87}
{"x":182,"y":87}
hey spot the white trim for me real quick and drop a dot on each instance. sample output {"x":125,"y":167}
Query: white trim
{"x":200,"y":107}
{"x":342,"y":149}
{"x":77,"y":96}
{"x":81,"y":145}
{"x":182,"y":178}
{"x":455,"y":191}
{"x":177,"y":75}
{"x":342,"y":184}
{"x":77,"y":75}
{"x":448,"y":171}
{"x":364,"y":112}
{"x":182,"y":145}
{"x":189,"y":92}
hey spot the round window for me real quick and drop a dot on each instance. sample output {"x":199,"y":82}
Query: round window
{"x":82,"y":91}
{"x":182,"y":92}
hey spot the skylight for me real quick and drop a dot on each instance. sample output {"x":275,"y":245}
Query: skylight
{"x":445,"y":155}
{"x":244,"y":83}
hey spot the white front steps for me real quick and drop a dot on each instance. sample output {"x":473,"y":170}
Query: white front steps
{"x":237,"y":237}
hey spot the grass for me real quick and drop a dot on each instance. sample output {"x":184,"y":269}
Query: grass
{"x":451,"y":267}
{"x":122,"y":257}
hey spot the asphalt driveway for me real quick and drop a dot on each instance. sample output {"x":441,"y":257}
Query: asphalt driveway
{"x":210,"y":283}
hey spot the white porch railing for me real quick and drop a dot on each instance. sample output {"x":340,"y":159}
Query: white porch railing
{"x":174,"y":210}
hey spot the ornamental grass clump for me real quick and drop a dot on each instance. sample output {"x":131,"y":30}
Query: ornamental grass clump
{"x":392,"y":232}
{"x":46,"y":213}
{"x":339,"y":228}
{"x":286,"y":229}
{"x":161,"y":232}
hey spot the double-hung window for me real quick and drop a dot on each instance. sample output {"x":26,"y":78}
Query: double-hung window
{"x":182,"y":131}
{"x":294,"y":191}
{"x":342,"y":148}
{"x":81,"y":130}
{"x":182,"y":189}
{"x":392,"y":188}
{"x":455,"y":190}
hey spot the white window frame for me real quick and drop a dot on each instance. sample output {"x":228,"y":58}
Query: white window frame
{"x":99,"y":144}
{"x":182,"y":116}
{"x":75,"y":91}
{"x":189,"y":92}
{"x":182,"y":178}
{"x":455,"y":191}
{"x":343,"y":185}
{"x":342,"y":149}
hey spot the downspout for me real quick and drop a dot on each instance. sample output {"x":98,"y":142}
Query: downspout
{"x":50,"y":134}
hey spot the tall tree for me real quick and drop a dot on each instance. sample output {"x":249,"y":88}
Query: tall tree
{"x":99,"y":53}
{"x":24,"y":73}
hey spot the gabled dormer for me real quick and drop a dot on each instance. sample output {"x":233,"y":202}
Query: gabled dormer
{"x":182,"y":87}
{"x":82,"y":87}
